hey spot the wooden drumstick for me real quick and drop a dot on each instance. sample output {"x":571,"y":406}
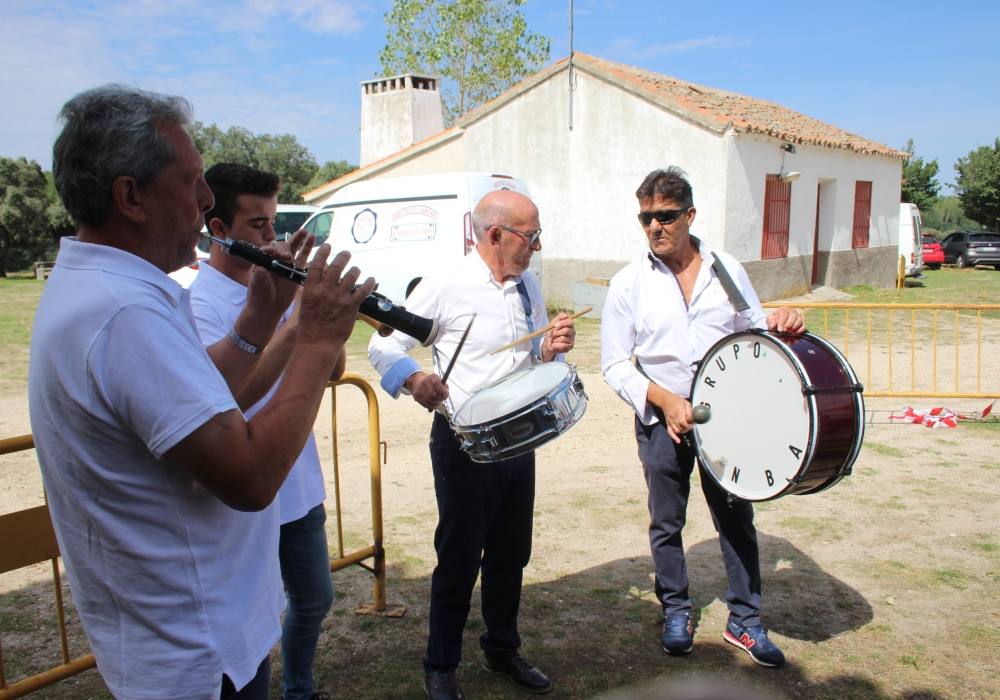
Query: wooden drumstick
{"x":540,"y":331}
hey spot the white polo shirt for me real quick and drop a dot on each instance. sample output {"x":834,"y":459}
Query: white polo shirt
{"x":173,"y":587}
{"x":452,"y":301}
{"x":216,"y":301}
{"x":645,"y":316}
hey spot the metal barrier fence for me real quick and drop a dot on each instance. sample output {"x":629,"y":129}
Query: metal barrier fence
{"x":914,"y":350}
{"x":27,"y":538}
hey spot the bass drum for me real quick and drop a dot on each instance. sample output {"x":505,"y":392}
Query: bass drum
{"x":787,"y":414}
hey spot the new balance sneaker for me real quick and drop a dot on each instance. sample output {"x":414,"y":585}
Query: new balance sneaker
{"x":678,"y":633}
{"x":754,"y":641}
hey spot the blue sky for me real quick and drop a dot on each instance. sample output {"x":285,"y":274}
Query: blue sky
{"x":888,"y":71}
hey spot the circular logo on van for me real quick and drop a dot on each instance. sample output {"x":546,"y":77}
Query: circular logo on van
{"x":363,"y":228}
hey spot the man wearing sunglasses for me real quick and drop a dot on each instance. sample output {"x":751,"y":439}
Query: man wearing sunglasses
{"x":484,"y":510}
{"x":666,"y":310}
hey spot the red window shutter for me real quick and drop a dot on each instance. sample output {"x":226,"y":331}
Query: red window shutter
{"x":777,"y":214}
{"x":862,"y":213}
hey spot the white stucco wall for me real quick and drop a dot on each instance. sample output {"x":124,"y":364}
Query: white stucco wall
{"x":752,"y":158}
{"x":584,"y":180}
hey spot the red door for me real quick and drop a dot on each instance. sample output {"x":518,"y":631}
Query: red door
{"x":815,"y":270}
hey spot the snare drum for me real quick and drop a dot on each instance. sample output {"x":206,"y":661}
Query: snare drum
{"x":787,"y":415}
{"x":522,"y":411}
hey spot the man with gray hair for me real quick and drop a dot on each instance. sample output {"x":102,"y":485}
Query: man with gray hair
{"x":484,"y":510}
{"x":160,"y":491}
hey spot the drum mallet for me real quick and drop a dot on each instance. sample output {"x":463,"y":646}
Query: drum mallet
{"x":701,"y":413}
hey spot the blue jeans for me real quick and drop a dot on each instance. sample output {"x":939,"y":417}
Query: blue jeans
{"x":668,"y":468}
{"x":305,"y":570}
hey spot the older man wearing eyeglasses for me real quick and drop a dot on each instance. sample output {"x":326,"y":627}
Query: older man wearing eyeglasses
{"x":484,"y":510}
{"x":666,"y":310}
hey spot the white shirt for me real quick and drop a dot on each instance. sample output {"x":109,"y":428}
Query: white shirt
{"x":646,"y":317}
{"x":452,"y":301}
{"x":216,"y":301}
{"x":173,"y":587}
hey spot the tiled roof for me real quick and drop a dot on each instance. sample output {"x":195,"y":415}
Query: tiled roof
{"x":711,"y":108}
{"x":718,"y":110}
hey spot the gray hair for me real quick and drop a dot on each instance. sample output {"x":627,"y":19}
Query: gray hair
{"x":110,"y":131}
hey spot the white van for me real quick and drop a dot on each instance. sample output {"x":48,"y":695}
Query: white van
{"x":290,"y":217}
{"x":910,"y":245}
{"x":400,"y":229}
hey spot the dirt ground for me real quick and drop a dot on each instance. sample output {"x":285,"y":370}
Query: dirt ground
{"x":885,"y":586}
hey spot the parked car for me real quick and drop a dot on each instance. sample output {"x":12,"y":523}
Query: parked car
{"x":933,"y":253}
{"x":971,"y":248}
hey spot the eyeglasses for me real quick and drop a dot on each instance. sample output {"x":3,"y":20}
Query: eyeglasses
{"x":663,"y":216}
{"x":530,"y":237}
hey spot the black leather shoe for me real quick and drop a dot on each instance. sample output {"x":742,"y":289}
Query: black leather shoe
{"x":515,"y":666}
{"x":441,"y":685}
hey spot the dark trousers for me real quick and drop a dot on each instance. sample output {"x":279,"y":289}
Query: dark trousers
{"x":256,"y":689}
{"x":668,"y":467}
{"x":484,"y":521}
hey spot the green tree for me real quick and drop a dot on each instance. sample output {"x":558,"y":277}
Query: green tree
{"x":281,"y":154}
{"x":479,"y":47}
{"x":946,"y":214}
{"x":978,"y":185}
{"x":25,"y":224}
{"x":330,"y":170}
{"x":919,"y":183}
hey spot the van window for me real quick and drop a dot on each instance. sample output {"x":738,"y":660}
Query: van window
{"x":288,"y":222}
{"x":320,"y":226}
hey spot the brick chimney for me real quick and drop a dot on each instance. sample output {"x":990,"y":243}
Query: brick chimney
{"x":396,"y":113}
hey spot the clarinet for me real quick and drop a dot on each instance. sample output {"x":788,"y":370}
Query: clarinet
{"x":376,"y":306}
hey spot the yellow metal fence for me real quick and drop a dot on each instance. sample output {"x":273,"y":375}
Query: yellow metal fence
{"x":27,"y":538}
{"x":915,"y":350}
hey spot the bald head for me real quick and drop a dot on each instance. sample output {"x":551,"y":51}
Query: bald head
{"x":502,"y":208}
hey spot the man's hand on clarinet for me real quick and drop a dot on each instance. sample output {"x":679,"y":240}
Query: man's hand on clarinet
{"x":560,"y":339}
{"x":428,"y":390}
{"x":268,"y":292}
{"x":330,"y":302}
{"x":786,"y":320}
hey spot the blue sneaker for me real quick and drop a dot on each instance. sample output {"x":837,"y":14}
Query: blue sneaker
{"x":678,"y":633}
{"x":754,"y":641}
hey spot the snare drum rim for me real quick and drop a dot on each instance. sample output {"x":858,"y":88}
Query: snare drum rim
{"x":809,"y":451}
{"x":544,"y":397}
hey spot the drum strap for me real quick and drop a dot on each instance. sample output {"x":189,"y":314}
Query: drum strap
{"x":732,"y":291}
{"x":536,"y":343}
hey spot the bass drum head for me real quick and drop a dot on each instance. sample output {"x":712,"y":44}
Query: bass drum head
{"x":512,"y":393}
{"x":761,"y":428}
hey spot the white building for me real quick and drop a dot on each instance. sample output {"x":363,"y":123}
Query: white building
{"x":798,"y":201}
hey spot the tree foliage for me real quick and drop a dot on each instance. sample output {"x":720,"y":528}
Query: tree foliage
{"x":28,"y":217}
{"x":479,"y":47}
{"x":946,"y":214}
{"x":330,"y":170}
{"x":919,"y":183}
{"x":978,"y":185}
{"x":281,"y":154}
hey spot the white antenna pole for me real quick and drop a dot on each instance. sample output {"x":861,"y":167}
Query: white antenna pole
{"x":570,"y":72}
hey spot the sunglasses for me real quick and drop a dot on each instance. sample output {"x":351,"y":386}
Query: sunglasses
{"x":531,"y":237}
{"x":663,"y":216}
